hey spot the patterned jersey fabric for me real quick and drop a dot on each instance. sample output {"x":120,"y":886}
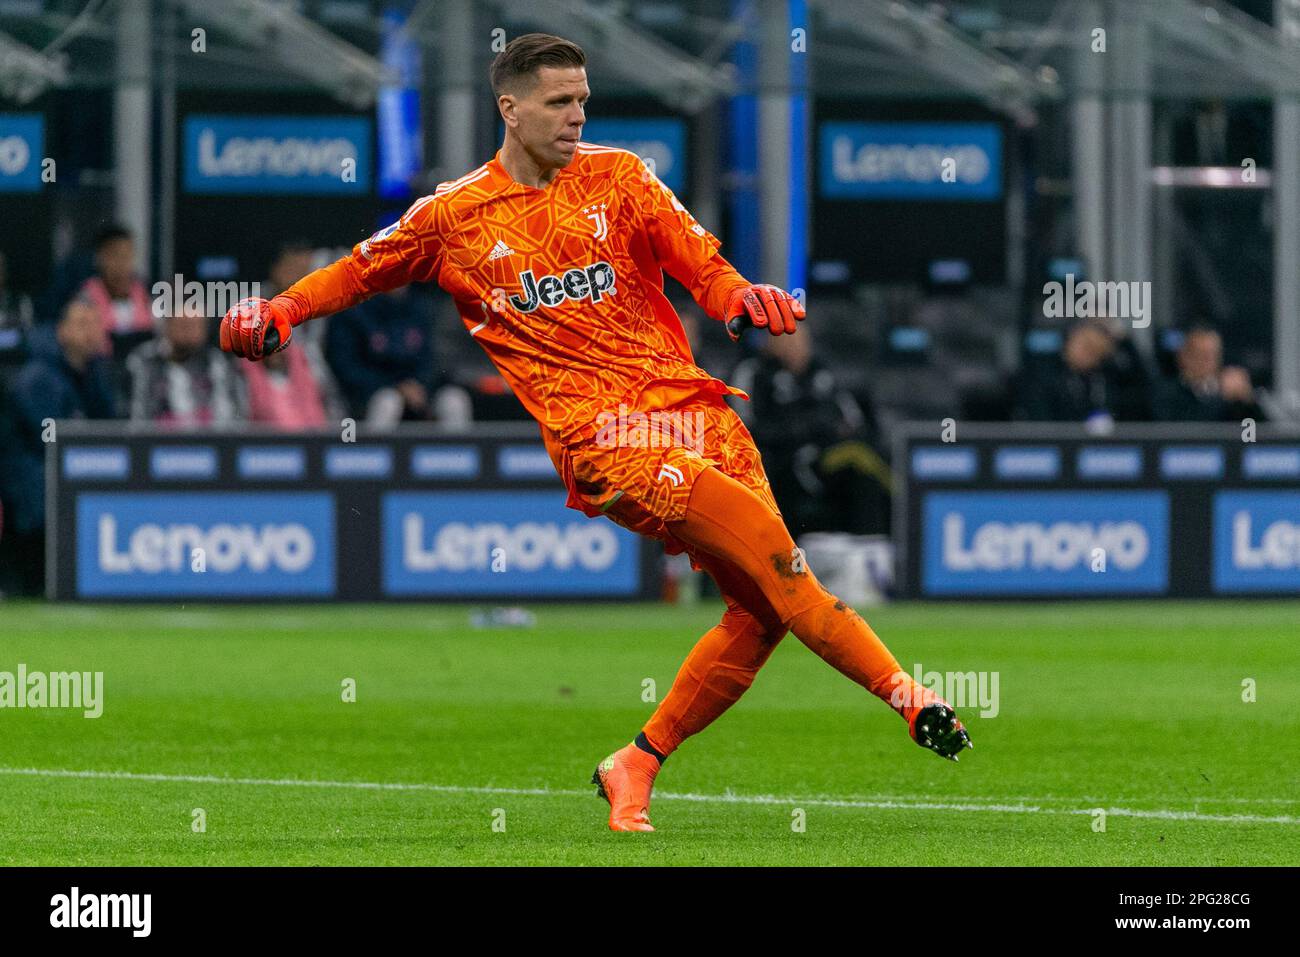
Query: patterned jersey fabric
{"x":561,"y":286}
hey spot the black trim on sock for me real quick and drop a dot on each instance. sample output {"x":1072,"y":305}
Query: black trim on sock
{"x":644,"y":745}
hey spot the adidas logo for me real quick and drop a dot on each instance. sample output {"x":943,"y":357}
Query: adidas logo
{"x":500,"y":250}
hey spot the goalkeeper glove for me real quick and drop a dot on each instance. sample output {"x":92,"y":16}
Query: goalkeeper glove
{"x":763,"y":307}
{"x":256,"y":328}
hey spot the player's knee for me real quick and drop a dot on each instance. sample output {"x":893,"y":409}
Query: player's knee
{"x":789,"y":584}
{"x":766,"y":629}
{"x":783,"y":566}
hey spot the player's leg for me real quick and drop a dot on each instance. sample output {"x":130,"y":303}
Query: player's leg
{"x":718,"y":670}
{"x":727,"y":519}
{"x":723,"y":663}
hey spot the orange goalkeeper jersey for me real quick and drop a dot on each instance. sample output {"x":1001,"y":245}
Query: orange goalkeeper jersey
{"x":561,"y":286}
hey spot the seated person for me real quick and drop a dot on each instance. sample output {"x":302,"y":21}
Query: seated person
{"x":117,"y":294}
{"x":1205,"y":390}
{"x":290,"y":391}
{"x":1074,"y":387}
{"x":66,"y":377}
{"x":816,"y":440}
{"x":180,"y":380}
{"x":381,"y":352}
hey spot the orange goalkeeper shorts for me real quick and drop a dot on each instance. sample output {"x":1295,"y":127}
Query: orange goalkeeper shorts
{"x":639,"y":468}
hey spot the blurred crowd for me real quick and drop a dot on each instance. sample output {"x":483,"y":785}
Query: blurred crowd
{"x":1099,"y":378}
{"x":95,"y":346}
{"x":103,"y":344}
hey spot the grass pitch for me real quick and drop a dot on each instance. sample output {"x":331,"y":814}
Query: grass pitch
{"x":1132,"y":708}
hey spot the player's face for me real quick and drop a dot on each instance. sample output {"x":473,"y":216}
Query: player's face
{"x":549,"y":117}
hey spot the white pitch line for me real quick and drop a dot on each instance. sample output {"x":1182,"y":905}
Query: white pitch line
{"x":1090,"y":800}
{"x":726,"y":798}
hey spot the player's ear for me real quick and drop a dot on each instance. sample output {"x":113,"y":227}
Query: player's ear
{"x":507,"y":107}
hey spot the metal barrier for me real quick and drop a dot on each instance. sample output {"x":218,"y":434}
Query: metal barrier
{"x":412,"y":514}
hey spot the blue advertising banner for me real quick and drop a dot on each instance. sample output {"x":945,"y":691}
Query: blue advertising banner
{"x":284,"y":462}
{"x":524,"y":462}
{"x":445,"y":461}
{"x":183,"y":462}
{"x":22,"y":147}
{"x":96,"y":462}
{"x":416,"y":514}
{"x":1193,"y":462}
{"x":660,"y":142}
{"x":1257,"y":542}
{"x":230,"y":154}
{"x":1032,"y":542}
{"x":1102,"y":462}
{"x":1024,"y":509}
{"x":1027,"y":463}
{"x":134,"y":544}
{"x":937,"y":462}
{"x":1277,"y":462}
{"x":498,"y":543}
{"x":397,"y":109}
{"x":359,"y":462}
{"x":909,"y":160}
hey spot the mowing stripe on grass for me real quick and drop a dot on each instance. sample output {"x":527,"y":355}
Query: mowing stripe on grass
{"x":883,"y":803}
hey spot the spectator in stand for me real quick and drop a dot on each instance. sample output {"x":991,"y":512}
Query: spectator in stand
{"x":180,"y":380}
{"x":289,"y":391}
{"x":1206,"y":390}
{"x":16,"y":310}
{"x":292,"y":261}
{"x":67,"y":377}
{"x":817,"y":441}
{"x":1074,"y":387}
{"x":1128,"y":377}
{"x":16,"y":316}
{"x":69,"y":274}
{"x":118,"y":295}
{"x":382,"y":354}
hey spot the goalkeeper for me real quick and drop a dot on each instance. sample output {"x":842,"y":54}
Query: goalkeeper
{"x":554,"y":252}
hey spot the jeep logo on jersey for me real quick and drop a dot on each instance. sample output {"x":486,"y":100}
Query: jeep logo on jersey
{"x":592,"y":283}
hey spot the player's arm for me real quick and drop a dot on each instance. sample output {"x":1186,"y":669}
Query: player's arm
{"x":408,"y":251}
{"x":690,"y":254}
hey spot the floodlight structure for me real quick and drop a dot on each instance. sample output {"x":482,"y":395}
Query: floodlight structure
{"x":677,"y":78}
{"x":26,"y":73}
{"x":297,"y":45}
{"x":932,"y":45}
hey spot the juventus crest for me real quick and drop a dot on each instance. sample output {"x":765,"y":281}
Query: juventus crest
{"x":596,"y":213}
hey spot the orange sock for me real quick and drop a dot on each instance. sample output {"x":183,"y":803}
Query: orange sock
{"x":719,"y":669}
{"x":726,"y":519}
